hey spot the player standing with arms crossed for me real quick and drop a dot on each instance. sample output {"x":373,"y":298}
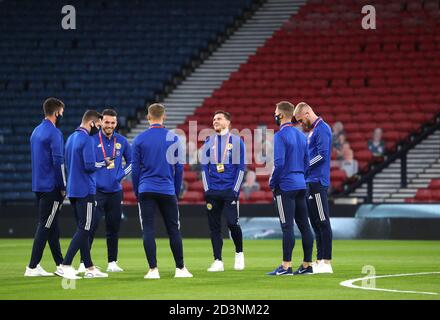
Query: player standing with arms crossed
{"x":319,"y":142}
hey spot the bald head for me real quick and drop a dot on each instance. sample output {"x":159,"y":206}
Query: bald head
{"x":301,"y":107}
{"x":304,"y":114}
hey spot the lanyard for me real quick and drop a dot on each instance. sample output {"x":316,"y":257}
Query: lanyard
{"x":226,"y":148}
{"x":103,"y":149}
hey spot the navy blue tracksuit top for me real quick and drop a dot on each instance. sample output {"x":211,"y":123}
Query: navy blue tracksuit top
{"x":157,"y":161}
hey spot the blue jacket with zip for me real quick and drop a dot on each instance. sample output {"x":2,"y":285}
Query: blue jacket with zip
{"x":228,"y":150}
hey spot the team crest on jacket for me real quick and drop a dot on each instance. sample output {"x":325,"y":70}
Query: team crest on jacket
{"x":229,"y":146}
{"x":118,"y":146}
{"x":209,"y":206}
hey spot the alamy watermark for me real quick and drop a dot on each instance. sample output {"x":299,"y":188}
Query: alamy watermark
{"x":67,"y":284}
{"x":369,"y":20}
{"x":369,"y":281}
{"x":68,"y":22}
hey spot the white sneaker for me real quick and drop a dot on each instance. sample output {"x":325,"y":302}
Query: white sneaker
{"x":317,"y":266}
{"x":67,"y":272}
{"x":113,"y":267}
{"x":239,"y":261}
{"x":38,"y":271}
{"x":152,"y":274}
{"x":94,"y":273}
{"x":325,"y":268}
{"x":182,"y":273}
{"x":217,"y":266}
{"x":81,"y":268}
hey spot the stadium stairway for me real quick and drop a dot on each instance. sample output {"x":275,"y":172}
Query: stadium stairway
{"x":423,"y":164}
{"x":123,"y":53}
{"x":226,"y":59}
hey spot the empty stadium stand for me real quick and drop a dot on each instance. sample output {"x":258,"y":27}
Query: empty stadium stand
{"x":126,"y":53}
{"x":387,"y":78}
{"x":227,"y":58}
{"x":429,"y":194}
{"x":122,"y":54}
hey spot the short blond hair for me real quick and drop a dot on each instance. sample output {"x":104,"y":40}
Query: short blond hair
{"x":156,"y":111}
{"x":286,"y":108}
{"x":300,"y":107}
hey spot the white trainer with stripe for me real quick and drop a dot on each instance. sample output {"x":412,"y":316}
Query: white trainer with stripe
{"x":326,"y":268}
{"x":182,"y":273}
{"x":217,"y":266}
{"x":113,"y":267}
{"x":321,"y":267}
{"x":152,"y":274}
{"x":94,"y":273}
{"x":38,"y":271}
{"x":67,"y":272}
{"x":239,"y":261}
{"x":81,"y":268}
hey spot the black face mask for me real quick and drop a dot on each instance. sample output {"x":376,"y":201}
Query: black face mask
{"x":58,"y":121}
{"x":278,"y":118}
{"x":93,"y":130}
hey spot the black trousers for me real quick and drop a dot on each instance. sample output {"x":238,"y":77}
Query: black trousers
{"x":84,"y":209}
{"x":291,"y":206}
{"x":319,"y":214}
{"x":108,"y":205}
{"x":217,"y":204}
{"x":49,"y":205}
{"x":149,"y":202}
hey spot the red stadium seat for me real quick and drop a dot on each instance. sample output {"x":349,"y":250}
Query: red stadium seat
{"x":195,"y":186}
{"x":338,"y":175}
{"x":434,"y":184}
{"x":423,"y":195}
{"x":258,"y":196}
{"x":127,"y":186}
{"x":130,"y":198}
{"x":435,"y":195}
{"x":387,"y":79}
{"x":193,"y":196}
{"x":191,"y":176}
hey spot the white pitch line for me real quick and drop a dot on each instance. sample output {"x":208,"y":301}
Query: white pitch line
{"x":349,"y":283}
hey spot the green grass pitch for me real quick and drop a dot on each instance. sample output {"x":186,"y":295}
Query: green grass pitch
{"x":387,"y":257}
